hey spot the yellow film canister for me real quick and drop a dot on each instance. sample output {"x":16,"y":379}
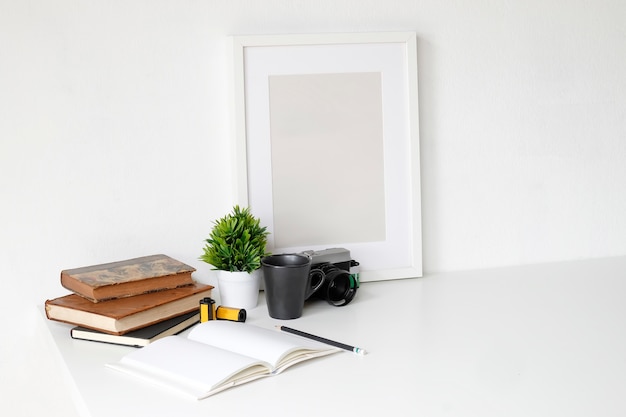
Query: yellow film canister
{"x":230,"y":313}
{"x":207,"y":309}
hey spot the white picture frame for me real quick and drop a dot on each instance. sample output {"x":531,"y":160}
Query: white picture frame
{"x":261,"y":60}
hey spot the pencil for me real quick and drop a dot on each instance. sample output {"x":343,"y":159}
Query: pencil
{"x":357,"y":350}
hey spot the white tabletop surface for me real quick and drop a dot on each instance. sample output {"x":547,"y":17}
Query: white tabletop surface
{"x":544,"y":340}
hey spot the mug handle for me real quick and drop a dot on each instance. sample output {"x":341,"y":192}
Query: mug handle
{"x":316,"y":280}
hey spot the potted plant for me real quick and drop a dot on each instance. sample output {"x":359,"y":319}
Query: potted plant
{"x":235,"y":248}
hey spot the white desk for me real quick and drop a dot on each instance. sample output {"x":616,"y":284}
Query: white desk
{"x":546,"y":340}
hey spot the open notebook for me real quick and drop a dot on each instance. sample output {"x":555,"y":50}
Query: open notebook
{"x":217,"y":355}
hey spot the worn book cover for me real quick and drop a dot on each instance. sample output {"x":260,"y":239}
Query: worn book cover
{"x":127,"y":278}
{"x":121,"y":315}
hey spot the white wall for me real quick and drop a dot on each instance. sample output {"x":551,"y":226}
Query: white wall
{"x":114,"y":137}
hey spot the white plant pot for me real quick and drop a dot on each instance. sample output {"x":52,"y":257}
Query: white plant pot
{"x":239,"y":289}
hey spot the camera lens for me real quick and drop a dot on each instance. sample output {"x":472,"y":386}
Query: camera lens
{"x":339,"y":287}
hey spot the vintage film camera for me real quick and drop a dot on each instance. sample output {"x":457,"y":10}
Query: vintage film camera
{"x":338,"y":271}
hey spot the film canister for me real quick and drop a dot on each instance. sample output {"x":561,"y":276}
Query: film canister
{"x":230,"y":313}
{"x":207,"y":309}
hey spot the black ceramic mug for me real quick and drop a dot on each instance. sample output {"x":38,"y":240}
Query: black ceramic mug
{"x":287,"y":284}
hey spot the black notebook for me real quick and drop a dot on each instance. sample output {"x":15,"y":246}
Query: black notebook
{"x":140,"y":337}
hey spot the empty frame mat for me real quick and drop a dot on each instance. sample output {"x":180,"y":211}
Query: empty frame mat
{"x":327,"y":158}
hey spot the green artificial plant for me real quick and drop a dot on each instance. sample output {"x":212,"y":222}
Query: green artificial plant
{"x":237,"y":242}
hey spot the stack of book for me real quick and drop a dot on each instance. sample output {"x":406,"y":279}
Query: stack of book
{"x":131,"y":302}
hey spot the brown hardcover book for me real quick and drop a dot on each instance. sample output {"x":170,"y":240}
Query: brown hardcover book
{"x":127,"y":278}
{"x":122,"y":315}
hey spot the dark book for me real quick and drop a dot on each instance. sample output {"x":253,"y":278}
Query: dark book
{"x":127,"y":278}
{"x":140,"y":337}
{"x":123,"y":315}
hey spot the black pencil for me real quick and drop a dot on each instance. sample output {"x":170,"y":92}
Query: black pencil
{"x":357,"y":350}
